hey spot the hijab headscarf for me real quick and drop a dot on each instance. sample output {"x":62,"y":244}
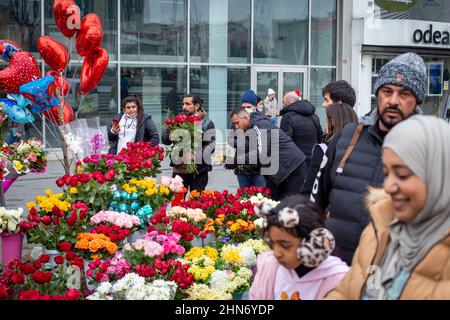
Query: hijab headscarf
{"x":423,"y":143}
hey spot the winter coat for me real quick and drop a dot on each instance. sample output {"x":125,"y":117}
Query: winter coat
{"x":146,"y":131}
{"x":317,"y":157}
{"x":342,"y":193}
{"x":207,"y":125}
{"x":290,"y":157}
{"x":312,"y":286}
{"x":241,"y":168}
{"x":429,"y":280}
{"x":300,"y":122}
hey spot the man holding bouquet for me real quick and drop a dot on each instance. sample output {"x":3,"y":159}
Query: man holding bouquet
{"x":192,"y":138}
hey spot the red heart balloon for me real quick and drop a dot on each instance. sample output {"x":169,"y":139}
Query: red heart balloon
{"x":67,"y":17}
{"x":52,"y":114}
{"x":22,"y":69}
{"x":90,"y":35}
{"x":54,"y":53}
{"x":94,"y":66}
{"x":61,"y":83}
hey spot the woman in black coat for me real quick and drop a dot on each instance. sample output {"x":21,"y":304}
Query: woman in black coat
{"x":133,"y":125}
{"x":337,"y":116}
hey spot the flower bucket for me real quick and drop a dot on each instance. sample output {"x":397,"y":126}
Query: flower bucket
{"x":8,"y":183}
{"x":11,"y":246}
{"x":179,"y":197}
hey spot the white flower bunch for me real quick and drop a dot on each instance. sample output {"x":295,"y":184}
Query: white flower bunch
{"x":204,"y":292}
{"x":195,"y":215}
{"x":248,"y":255}
{"x":259,"y":246}
{"x":10,"y":219}
{"x":134,"y":287}
{"x":260,"y":198}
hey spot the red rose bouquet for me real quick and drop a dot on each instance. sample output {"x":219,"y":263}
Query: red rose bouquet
{"x":187,"y":131}
{"x":30,"y":280}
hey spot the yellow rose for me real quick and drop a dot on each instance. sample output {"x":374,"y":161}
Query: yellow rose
{"x":48,"y":192}
{"x":235,"y":227}
{"x":31,"y":205}
{"x":73,"y":190}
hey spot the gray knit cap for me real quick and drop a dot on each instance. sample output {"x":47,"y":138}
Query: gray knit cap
{"x":407,"y":70}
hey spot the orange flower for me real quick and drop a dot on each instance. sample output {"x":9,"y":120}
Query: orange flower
{"x":95,"y":257}
{"x":194,"y":194}
{"x":219,"y":221}
{"x":111,"y":247}
{"x":83,"y":244}
{"x":230,"y":223}
{"x":251,"y":226}
{"x":96,"y":245}
{"x":234,"y":227}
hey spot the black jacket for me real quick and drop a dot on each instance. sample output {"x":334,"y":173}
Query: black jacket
{"x":146,"y":131}
{"x":287,"y":157}
{"x":342,"y":194}
{"x":208,"y":144}
{"x":300,"y":122}
{"x":241,"y":168}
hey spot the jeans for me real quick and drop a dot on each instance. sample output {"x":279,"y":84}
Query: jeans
{"x":249,"y":181}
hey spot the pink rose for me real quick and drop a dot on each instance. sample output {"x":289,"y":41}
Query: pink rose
{"x":166,"y":181}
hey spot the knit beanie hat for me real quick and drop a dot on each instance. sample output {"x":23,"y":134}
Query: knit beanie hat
{"x":249,"y":97}
{"x":407,"y":70}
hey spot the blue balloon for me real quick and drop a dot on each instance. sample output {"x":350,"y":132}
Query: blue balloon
{"x":21,"y":101}
{"x":41,"y":93}
{"x":14,"y":112}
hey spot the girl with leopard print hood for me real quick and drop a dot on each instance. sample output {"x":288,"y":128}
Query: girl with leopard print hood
{"x":300,"y":265}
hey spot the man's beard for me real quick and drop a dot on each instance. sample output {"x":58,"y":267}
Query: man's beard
{"x":391,"y":123}
{"x":188,"y":113}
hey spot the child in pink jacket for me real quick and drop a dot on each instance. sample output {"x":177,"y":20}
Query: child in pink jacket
{"x":300,"y":265}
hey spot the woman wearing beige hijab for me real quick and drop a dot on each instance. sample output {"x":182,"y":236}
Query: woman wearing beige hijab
{"x":405,"y":252}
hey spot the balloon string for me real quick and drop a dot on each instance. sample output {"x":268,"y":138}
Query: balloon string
{"x":38,"y":131}
{"x":79,"y":106}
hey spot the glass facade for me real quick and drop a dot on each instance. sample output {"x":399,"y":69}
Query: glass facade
{"x":161,"y":50}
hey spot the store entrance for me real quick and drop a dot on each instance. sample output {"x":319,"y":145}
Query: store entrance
{"x":281,"y":80}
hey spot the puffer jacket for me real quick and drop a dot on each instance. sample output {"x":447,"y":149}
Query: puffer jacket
{"x":342,"y":193}
{"x":429,"y":280}
{"x":300,"y":122}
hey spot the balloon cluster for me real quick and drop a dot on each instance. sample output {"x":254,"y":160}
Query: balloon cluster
{"x":22,"y":75}
{"x":121,"y":203}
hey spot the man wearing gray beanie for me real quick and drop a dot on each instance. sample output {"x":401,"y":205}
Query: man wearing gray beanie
{"x":353,"y":159}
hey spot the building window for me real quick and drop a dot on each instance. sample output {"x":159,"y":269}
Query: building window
{"x":323,"y":32}
{"x":281,"y":32}
{"x":161,"y":89}
{"x":220,"y":31}
{"x":320,"y":77}
{"x":154,"y":30}
{"x":221,"y":89}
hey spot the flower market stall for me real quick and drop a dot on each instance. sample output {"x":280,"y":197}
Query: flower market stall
{"x":114,"y":232}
